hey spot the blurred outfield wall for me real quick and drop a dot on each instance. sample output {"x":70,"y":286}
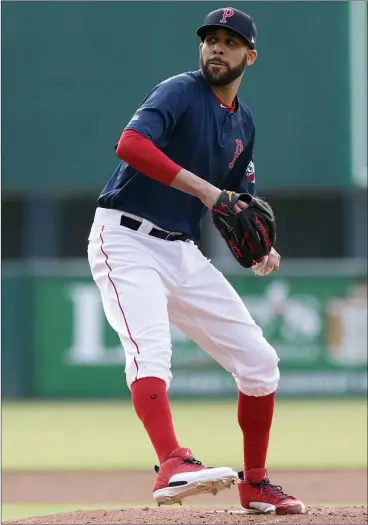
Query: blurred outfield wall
{"x":72,"y":75}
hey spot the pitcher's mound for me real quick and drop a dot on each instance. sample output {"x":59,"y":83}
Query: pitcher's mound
{"x":331,"y":515}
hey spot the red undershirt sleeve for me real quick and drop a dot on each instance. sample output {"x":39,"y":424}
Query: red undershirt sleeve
{"x":145,"y":157}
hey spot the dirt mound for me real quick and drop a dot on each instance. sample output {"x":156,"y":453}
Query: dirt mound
{"x":338,"y":515}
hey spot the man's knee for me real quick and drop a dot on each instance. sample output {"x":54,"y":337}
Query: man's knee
{"x":260,"y":376}
{"x":156,"y":364}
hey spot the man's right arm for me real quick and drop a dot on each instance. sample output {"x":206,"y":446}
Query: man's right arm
{"x":145,"y":157}
{"x":189,"y":183}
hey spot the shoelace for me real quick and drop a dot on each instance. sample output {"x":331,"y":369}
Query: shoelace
{"x":267,"y":486}
{"x":191,"y":461}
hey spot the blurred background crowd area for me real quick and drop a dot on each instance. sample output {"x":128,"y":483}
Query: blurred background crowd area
{"x":73,"y":74}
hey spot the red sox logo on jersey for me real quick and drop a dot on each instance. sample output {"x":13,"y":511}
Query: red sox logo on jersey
{"x":250,"y":172}
{"x":228,"y":12}
{"x":238,"y":150}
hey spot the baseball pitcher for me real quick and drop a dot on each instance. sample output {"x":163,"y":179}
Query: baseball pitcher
{"x":188,"y":149}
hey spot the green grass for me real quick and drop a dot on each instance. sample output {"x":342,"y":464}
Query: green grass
{"x":108,"y":435}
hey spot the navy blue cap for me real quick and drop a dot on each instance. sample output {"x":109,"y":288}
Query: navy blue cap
{"x":230,"y":18}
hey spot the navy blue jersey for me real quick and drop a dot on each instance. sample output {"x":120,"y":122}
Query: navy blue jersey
{"x":183,"y":118}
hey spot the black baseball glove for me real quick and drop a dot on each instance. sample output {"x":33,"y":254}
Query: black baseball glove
{"x":251,"y":233}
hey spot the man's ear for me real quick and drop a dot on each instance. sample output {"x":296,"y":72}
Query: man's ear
{"x":251,"y":57}
{"x":200,"y":49}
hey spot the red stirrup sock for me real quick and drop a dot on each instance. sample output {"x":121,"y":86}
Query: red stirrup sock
{"x":255,"y":419}
{"x":151,"y":404}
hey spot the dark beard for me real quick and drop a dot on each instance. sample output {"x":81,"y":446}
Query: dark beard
{"x":225,"y":78}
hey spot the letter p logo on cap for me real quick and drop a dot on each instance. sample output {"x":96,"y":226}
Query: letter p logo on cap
{"x":228,"y":12}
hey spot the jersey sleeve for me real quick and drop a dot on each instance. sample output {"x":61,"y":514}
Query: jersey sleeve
{"x":161,"y":110}
{"x":242,"y":177}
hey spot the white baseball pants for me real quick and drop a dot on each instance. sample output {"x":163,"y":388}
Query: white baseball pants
{"x":147,"y":283}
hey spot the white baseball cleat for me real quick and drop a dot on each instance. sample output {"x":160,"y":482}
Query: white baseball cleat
{"x":181,"y":476}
